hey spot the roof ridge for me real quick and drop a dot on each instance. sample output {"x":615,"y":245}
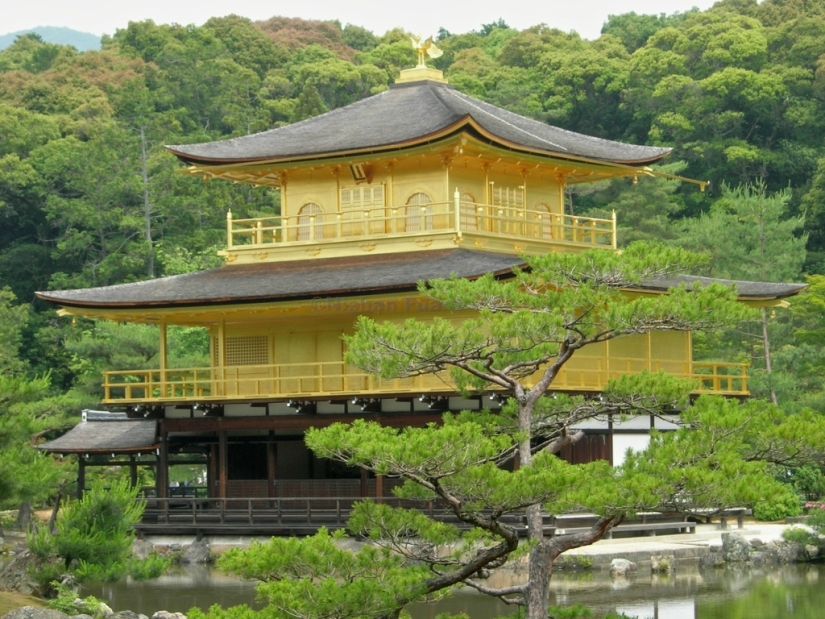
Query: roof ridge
{"x":471,"y":101}
{"x":299,"y":123}
{"x":593,"y":138}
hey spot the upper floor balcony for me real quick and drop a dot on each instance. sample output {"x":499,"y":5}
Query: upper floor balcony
{"x":434,"y":225}
{"x":337,"y":381}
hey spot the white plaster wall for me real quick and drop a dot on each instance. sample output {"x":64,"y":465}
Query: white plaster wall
{"x":636,"y":422}
{"x":623,"y":442}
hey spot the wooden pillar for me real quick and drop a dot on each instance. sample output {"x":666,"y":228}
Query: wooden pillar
{"x":162,"y":474}
{"x":271,"y":453}
{"x":132,"y":471}
{"x":220,"y":386}
{"x":223,"y":452}
{"x":379,"y":486}
{"x":163,"y":353}
{"x":212,"y":471}
{"x":81,"y":476}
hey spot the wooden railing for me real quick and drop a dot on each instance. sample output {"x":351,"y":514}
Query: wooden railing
{"x":336,"y":380}
{"x":302,"y":515}
{"x":387,"y":222}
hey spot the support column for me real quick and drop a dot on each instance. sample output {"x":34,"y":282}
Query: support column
{"x":220,"y":387}
{"x":379,"y":486}
{"x":163,"y":354}
{"x":270,"y":468}
{"x":223,"y":452}
{"x":81,"y":476}
{"x":162,"y":474}
{"x":212,"y":471}
{"x":132,"y":471}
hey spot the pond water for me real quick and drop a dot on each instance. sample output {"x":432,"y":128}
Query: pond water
{"x":789,"y":591}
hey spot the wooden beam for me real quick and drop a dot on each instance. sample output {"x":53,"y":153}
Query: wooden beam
{"x":299,"y":423}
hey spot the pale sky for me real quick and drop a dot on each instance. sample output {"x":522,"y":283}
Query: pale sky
{"x":419,"y":16}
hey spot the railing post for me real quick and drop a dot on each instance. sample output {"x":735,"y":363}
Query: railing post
{"x":613,"y":235}
{"x":229,"y":228}
{"x":457,"y":205}
{"x":259,"y":232}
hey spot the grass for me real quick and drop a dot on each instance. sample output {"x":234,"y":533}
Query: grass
{"x":10,"y":600}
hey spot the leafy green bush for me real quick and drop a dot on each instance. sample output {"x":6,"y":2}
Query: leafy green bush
{"x":816,"y":520}
{"x":93,"y":536}
{"x":778,"y":507}
{"x":217,"y":612}
{"x":151,"y":567}
{"x":67,"y":601}
{"x":800,"y":536}
{"x":809,"y":482}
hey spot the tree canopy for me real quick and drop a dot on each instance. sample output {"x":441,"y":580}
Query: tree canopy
{"x":488,"y":468}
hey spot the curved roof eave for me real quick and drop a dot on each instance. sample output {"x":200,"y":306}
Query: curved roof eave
{"x":409,"y":114}
{"x":465,"y":122}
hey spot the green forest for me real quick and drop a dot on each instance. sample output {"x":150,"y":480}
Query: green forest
{"x":90,"y":197}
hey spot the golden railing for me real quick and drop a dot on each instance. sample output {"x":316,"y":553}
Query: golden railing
{"x":335,"y":380}
{"x":389,"y":222}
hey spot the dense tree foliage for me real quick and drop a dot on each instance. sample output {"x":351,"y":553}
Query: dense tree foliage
{"x":526,"y":332}
{"x":88,"y":196}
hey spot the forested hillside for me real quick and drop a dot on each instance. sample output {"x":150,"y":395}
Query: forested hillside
{"x":89,"y":197}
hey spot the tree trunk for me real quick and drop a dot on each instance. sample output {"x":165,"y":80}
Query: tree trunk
{"x":766,"y":345}
{"x":24,"y":516}
{"x":538,"y":590}
{"x":147,"y":210}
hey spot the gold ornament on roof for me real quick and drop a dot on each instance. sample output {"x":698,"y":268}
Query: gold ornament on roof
{"x":424,"y":47}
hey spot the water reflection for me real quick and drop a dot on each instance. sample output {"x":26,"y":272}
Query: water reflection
{"x":788,"y":591}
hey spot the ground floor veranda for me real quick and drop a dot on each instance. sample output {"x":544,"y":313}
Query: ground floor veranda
{"x":221,"y":471}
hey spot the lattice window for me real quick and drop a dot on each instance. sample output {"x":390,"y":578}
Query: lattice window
{"x":362,"y":198}
{"x":417,"y":210}
{"x":305,"y":227}
{"x":544,"y":229}
{"x":469,"y":218}
{"x":508,"y":197}
{"x":247,"y":350}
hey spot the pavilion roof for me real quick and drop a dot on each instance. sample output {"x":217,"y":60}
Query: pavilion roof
{"x":409,"y":114}
{"x":338,"y":277}
{"x":106,"y":433}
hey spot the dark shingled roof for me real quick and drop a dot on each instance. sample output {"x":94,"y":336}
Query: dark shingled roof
{"x":101,"y":434}
{"x":408,"y":113}
{"x":282,"y":281}
{"x":336,"y":277}
{"x":746,"y":289}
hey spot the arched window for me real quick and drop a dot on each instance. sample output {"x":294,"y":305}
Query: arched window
{"x":305,"y":227}
{"x":417,"y":210}
{"x":469,"y":217}
{"x":542,"y":221}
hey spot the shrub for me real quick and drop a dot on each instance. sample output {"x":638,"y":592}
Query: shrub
{"x":68,"y":602}
{"x":151,"y":567}
{"x":93,"y":536}
{"x":809,"y":482}
{"x":800,"y":536}
{"x":216,"y":611}
{"x":779,"y":507}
